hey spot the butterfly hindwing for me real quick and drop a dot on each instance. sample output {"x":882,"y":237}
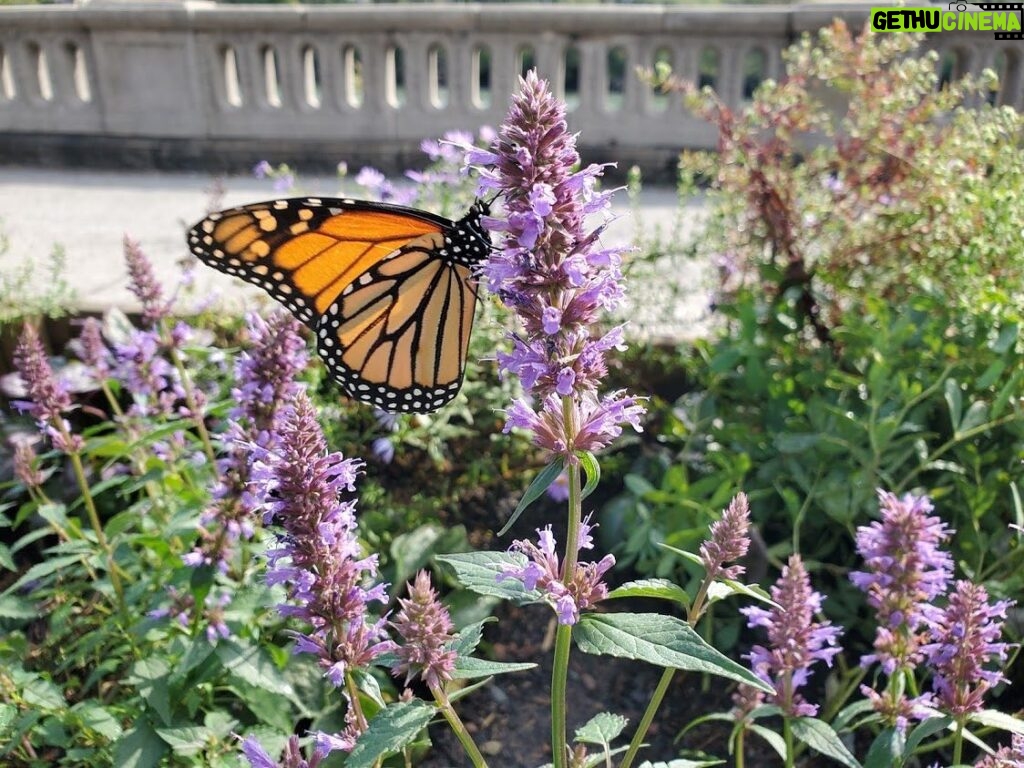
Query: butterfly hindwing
{"x":398,"y":337}
{"x":389,"y":291}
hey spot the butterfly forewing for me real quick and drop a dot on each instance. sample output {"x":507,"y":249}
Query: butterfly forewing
{"x":388,"y":290}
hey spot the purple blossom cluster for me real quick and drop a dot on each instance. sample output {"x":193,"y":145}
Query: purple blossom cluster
{"x":795,"y":639}
{"x":48,"y":399}
{"x":966,"y":639}
{"x":905,"y":570}
{"x":426,"y":629}
{"x":729,"y":541}
{"x":552,"y":271}
{"x":906,"y":574}
{"x":567,"y":594}
{"x":318,"y":558}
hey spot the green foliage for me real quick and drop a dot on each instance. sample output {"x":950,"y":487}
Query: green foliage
{"x":866,"y":225}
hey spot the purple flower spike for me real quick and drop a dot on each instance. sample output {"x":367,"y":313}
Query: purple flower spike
{"x":795,"y":639}
{"x":319,"y":557}
{"x":143,"y":284}
{"x":426,"y":629}
{"x":905,"y":571}
{"x":729,"y":541}
{"x":48,"y":398}
{"x":551,"y":270}
{"x":967,"y":637}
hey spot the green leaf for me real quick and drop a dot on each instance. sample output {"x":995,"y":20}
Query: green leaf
{"x":469,"y":638}
{"x":954,"y":400}
{"x":602,"y":729}
{"x":927,"y":728}
{"x":977,"y":413}
{"x":254,"y":666}
{"x":150,"y":677}
{"x":6,"y":558}
{"x":14,"y":607}
{"x":185,"y":740}
{"x":40,"y":570}
{"x":140,"y":747}
{"x":661,"y":640}
{"x":886,"y":750}
{"x":733,"y":587}
{"x":819,"y":736}
{"x":97,"y":718}
{"x":389,"y":731}
{"x":7,"y":714}
{"x":681,"y":763}
{"x":593,"y":470}
{"x":995,"y":719}
{"x":540,"y":483}
{"x":774,"y":740}
{"x":663,"y":589}
{"x":42,"y":694}
{"x":479,"y":571}
{"x":468,"y":667}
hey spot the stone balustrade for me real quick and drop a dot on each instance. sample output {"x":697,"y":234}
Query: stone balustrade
{"x":178,"y":83}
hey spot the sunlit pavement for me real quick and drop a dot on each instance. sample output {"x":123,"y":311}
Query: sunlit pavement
{"x":87,"y":213}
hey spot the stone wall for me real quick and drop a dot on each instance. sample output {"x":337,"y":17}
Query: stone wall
{"x":173,"y":84}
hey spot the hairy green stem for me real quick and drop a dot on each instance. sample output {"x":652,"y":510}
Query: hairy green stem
{"x":563,"y":637}
{"x":648,"y":717}
{"x":458,"y":727}
{"x":787,"y":735}
{"x":94,"y":520}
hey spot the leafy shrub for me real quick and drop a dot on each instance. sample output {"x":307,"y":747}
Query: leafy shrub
{"x":865,"y":225}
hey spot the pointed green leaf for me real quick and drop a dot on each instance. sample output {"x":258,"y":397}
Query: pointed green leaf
{"x":479,"y":571}
{"x":733,"y":587}
{"x":468,"y":667}
{"x":927,"y":728}
{"x":657,"y":639}
{"x":886,"y":750}
{"x":819,"y":736}
{"x":593,"y":470}
{"x":977,"y":413}
{"x":995,"y":719}
{"x":682,"y":763}
{"x":390,"y":730}
{"x":186,"y":739}
{"x":603,"y":728}
{"x":663,"y":589}
{"x":254,"y":666}
{"x":45,"y":568}
{"x":139,"y":748}
{"x":775,"y":740}
{"x":540,"y":483}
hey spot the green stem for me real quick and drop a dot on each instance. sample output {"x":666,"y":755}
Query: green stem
{"x":190,"y":400}
{"x":645,"y":721}
{"x":958,"y":743}
{"x":740,"y":734}
{"x":787,"y":734}
{"x":94,"y":520}
{"x":559,"y":685}
{"x":458,"y":727}
{"x":563,"y":637}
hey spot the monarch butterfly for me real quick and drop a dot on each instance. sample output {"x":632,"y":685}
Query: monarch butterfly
{"x":389,"y":291}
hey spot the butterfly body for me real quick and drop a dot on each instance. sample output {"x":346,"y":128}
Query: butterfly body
{"x":389,"y":291}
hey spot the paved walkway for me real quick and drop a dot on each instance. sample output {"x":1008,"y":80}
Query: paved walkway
{"x":88,"y":213}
